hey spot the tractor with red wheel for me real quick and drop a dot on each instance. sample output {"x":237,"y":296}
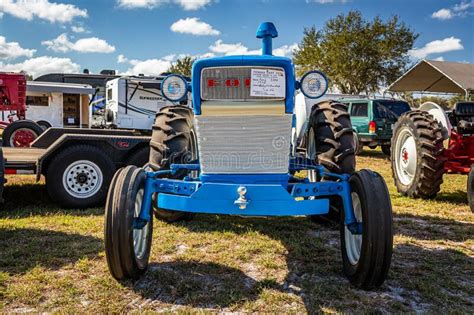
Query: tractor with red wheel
{"x":18,"y":132}
{"x":428,"y":143}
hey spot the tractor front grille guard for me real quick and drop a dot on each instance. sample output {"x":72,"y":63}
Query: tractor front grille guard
{"x":298,"y":198}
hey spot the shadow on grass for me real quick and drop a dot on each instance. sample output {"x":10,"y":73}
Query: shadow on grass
{"x":32,"y":199}
{"x":197,"y":284}
{"x":458,"y":197}
{"x":23,"y":249}
{"x":315,"y":270}
{"x":433,"y":280}
{"x":433,"y":228}
{"x":214,"y":285}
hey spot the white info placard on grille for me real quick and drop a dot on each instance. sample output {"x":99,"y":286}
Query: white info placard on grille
{"x":267,"y":83}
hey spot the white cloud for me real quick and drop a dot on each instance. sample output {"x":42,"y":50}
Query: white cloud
{"x":436,"y":47}
{"x":42,"y":65}
{"x":221,"y":48}
{"x":83,"y":45}
{"x":188,"y":5}
{"x":458,"y":10}
{"x":439,"y":58}
{"x":147,"y":67}
{"x":42,"y":9}
{"x":193,"y":26}
{"x":78,"y":29}
{"x":442,"y":14}
{"x":13,"y":50}
{"x":121,"y":59}
{"x":285,"y":50}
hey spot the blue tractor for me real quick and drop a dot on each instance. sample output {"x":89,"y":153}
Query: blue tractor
{"x":234,"y":153}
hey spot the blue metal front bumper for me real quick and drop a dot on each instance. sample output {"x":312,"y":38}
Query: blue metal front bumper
{"x":262,"y":200}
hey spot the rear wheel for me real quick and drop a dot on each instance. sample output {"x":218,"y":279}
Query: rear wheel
{"x":470,"y":188}
{"x":78,"y":177}
{"x":333,"y":137}
{"x":21,"y":133}
{"x":366,"y":257}
{"x":330,"y":142}
{"x":417,"y":159}
{"x":173,"y":141}
{"x":127,"y":247}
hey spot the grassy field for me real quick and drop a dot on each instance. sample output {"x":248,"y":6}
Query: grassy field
{"x":53,"y":259}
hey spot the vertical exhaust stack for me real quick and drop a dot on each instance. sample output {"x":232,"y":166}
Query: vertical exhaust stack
{"x":267,"y":31}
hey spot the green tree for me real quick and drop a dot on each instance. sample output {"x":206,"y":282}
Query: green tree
{"x":182,"y":66}
{"x":359,"y":56}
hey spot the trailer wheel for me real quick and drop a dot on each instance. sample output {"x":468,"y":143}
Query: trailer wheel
{"x":21,"y":133}
{"x":366,"y":257}
{"x":417,"y":159}
{"x":470,"y":188}
{"x":44,"y":124}
{"x":79,"y":176}
{"x":127,"y":248}
{"x":334,"y":141}
{"x":173,"y":140}
{"x":140,"y":157}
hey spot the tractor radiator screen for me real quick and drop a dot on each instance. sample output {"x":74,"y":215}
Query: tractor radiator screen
{"x":243,"y":83}
{"x":244,"y":144}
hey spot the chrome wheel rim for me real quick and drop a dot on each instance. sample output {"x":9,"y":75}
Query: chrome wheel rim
{"x":140,"y":236}
{"x":405,"y":157}
{"x":82,"y":179}
{"x":353,"y":242}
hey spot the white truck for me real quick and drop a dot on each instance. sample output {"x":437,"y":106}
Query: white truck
{"x":132,"y":102}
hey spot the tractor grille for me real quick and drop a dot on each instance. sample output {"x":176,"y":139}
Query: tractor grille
{"x":244,"y":144}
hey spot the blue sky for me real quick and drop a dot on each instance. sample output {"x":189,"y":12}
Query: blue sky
{"x":145,"y":36}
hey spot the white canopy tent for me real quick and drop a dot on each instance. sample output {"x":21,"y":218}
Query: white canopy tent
{"x":437,"y":77}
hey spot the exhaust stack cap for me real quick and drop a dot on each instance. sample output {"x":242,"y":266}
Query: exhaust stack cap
{"x":266,"y":31}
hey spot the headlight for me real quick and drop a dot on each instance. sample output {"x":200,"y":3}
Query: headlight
{"x":174,"y":87}
{"x":314,"y":84}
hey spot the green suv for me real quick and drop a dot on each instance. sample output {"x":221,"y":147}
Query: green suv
{"x":372,"y":121}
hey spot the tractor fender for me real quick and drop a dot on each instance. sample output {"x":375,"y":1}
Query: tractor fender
{"x":302,"y":116}
{"x":440,"y":115}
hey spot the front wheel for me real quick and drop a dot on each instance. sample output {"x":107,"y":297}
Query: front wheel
{"x":470,"y":188}
{"x":127,"y":247}
{"x":366,"y":257}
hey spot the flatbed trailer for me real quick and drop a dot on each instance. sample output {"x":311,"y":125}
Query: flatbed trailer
{"x":78,"y":164}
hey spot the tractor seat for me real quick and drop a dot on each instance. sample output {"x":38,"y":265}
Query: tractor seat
{"x":463,"y":109}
